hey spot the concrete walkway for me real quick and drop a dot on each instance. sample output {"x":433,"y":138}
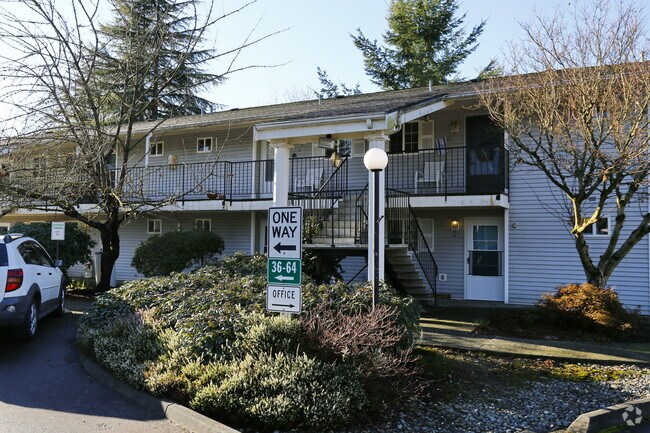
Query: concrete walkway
{"x":453,"y":328}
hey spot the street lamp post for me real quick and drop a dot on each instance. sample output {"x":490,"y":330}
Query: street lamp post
{"x":375,"y":161}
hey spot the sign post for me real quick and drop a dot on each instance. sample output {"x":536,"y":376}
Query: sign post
{"x":284,"y":266}
{"x":58,"y":235}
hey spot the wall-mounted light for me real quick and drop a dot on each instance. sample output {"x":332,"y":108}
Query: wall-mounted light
{"x":335,"y":160}
{"x":455,"y":225}
{"x":454,"y":127}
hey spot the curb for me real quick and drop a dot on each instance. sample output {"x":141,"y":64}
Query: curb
{"x":620,"y":415}
{"x":174,"y":412}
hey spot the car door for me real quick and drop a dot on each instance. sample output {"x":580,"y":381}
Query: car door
{"x":37,"y":270}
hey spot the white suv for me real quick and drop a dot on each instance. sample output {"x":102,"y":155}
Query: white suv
{"x":31,"y":285}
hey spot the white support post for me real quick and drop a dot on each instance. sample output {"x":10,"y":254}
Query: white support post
{"x":147,"y":150}
{"x":281,"y":171}
{"x":377,"y":141}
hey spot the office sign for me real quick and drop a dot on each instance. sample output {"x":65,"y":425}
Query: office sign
{"x":58,"y":232}
{"x":284,"y":299}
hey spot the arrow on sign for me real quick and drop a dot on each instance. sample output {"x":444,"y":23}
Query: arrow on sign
{"x":283,"y":305}
{"x":283,"y":278}
{"x":279,"y":247}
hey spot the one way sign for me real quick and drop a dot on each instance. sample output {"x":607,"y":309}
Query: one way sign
{"x":285,"y":232}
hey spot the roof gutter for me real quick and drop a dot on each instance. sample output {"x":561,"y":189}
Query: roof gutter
{"x":320,"y":126}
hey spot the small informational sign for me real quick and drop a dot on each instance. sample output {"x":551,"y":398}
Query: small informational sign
{"x":284,"y":299}
{"x":58,"y":231}
{"x":284,"y":271}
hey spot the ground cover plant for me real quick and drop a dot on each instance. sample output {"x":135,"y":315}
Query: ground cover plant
{"x":205,"y":340}
{"x":573,"y":312}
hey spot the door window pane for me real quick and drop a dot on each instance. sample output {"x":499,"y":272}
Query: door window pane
{"x":485,"y":238}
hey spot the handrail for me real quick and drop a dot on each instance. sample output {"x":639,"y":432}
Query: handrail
{"x":398,"y":202}
{"x":431,"y":279}
{"x":334,"y":175}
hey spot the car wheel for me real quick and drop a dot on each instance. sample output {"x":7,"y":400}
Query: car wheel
{"x":27,"y":330}
{"x":60,"y":309}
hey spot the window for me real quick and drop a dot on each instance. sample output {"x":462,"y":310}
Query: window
{"x":204,"y":144}
{"x":157,"y":148}
{"x":601,"y":228}
{"x":154,"y":227}
{"x":33,"y":254}
{"x":203,"y":224}
{"x":405,"y":140}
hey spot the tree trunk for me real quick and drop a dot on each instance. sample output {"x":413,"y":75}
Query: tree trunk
{"x":110,"y":250}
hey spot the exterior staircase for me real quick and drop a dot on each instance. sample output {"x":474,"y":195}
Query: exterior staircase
{"x":343,"y":231}
{"x":404,"y":272}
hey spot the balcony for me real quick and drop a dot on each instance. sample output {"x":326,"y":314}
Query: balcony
{"x":452,"y":171}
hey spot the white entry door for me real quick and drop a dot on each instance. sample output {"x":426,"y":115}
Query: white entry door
{"x":484,"y":259}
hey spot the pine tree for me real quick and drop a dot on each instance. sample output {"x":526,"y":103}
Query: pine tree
{"x":157,"y":42}
{"x":425,"y":42}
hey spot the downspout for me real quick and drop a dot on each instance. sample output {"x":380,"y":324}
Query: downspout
{"x":147,"y":142}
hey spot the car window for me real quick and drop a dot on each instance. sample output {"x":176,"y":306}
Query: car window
{"x":31,"y":253}
{"x":45,"y":258}
{"x":4,"y":261}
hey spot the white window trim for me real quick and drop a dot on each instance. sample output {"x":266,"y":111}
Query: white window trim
{"x":154,"y":145}
{"x":595,"y":234}
{"x":149,"y":226}
{"x":212,"y":143}
{"x":203,"y":220}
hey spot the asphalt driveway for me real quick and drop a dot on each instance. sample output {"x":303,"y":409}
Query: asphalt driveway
{"x":44,"y":389}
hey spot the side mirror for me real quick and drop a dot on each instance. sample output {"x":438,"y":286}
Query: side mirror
{"x":58,"y":263}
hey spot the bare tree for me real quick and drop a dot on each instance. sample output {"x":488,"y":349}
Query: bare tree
{"x":77,"y":138}
{"x":576,"y":109}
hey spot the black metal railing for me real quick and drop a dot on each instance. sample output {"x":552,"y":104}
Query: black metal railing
{"x":452,"y":171}
{"x":226,"y":180}
{"x":487,"y":263}
{"x":317,"y":175}
{"x":402,"y":228}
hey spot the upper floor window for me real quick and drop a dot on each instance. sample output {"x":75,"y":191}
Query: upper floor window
{"x":204,"y":144}
{"x":157,"y":148}
{"x":601,"y":228}
{"x":406,"y":140}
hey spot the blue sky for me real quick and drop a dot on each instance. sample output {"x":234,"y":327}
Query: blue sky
{"x":318,"y":35}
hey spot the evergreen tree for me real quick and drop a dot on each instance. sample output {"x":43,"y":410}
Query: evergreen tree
{"x":425,"y":42}
{"x":331,"y":90}
{"x":158,"y":42}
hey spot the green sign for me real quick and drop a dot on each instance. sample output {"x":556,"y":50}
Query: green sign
{"x":284,"y":271}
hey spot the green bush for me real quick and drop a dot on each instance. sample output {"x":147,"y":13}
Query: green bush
{"x":218,"y":349}
{"x":74,"y":249}
{"x":176,"y":251}
{"x":284,"y":391}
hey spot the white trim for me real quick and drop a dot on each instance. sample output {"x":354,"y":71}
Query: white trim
{"x":203,"y":220}
{"x":153,"y":220}
{"x":408,"y":116}
{"x":253,"y":237}
{"x":212,"y":144}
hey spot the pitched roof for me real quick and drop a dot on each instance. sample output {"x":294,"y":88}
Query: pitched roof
{"x":368,"y":103}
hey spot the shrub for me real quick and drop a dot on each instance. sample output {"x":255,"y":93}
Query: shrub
{"x":217,"y":349}
{"x":74,"y":249}
{"x":284,"y":391}
{"x":176,"y":251}
{"x":587,"y":307}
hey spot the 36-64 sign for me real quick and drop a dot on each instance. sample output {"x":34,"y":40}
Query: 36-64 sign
{"x":284,"y":271}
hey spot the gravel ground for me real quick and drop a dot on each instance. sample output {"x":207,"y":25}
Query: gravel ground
{"x":541,"y":406}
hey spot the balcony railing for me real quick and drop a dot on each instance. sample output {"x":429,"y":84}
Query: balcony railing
{"x":452,"y":171}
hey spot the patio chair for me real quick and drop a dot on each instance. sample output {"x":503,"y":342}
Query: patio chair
{"x":433,"y":172}
{"x":310,"y":182}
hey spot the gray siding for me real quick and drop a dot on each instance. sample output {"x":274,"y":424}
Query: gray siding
{"x":542,"y":251}
{"x":233,"y":227}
